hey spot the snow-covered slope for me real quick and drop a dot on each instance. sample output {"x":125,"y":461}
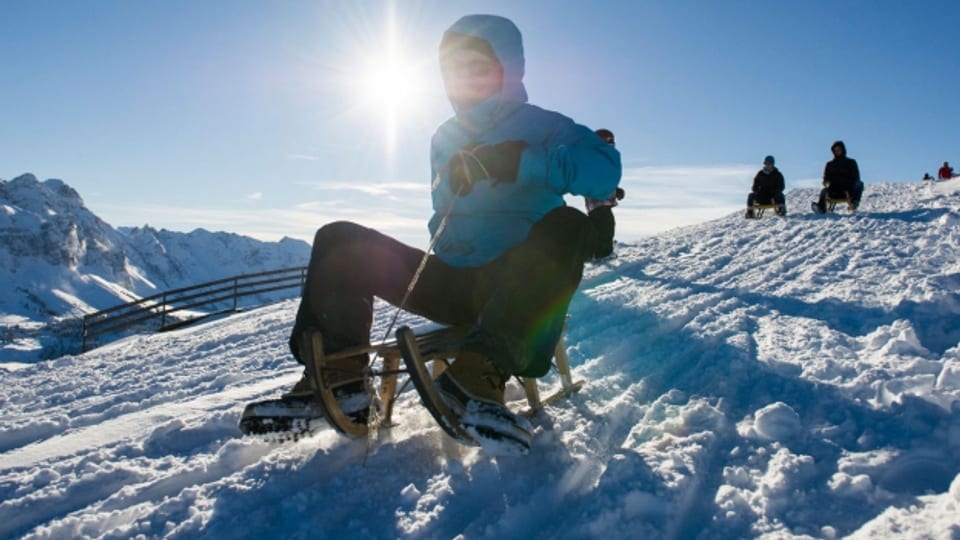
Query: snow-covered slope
{"x":794,"y":378}
{"x":59,"y":261}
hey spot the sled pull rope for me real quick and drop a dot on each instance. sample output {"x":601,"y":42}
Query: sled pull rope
{"x":374,"y":393}
{"x":435,"y":238}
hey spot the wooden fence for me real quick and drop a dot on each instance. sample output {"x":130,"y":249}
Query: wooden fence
{"x":178,"y":307}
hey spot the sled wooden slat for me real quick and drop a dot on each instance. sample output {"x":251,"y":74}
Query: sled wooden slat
{"x":832,"y":203}
{"x":423,"y":380}
{"x":759,"y":209}
{"x":313,"y":350}
{"x":438,"y":346}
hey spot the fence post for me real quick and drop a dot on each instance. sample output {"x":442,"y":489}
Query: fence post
{"x":163,"y":311}
{"x":235,"y":289}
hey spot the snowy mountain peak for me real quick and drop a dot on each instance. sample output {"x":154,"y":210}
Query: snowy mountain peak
{"x":30,"y":194}
{"x":49,"y":222}
{"x":59,"y":260}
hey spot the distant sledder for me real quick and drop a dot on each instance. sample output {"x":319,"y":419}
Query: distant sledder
{"x":767,"y":192}
{"x":945,"y":172}
{"x":841,"y":181}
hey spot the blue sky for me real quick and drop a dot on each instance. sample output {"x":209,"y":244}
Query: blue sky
{"x":259,"y":117}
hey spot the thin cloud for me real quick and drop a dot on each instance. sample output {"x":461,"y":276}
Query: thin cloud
{"x":657,"y":199}
{"x":370,"y":188}
{"x":406,"y":223}
{"x":705,"y":187}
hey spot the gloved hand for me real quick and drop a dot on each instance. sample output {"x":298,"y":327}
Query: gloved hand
{"x":477,"y":161}
{"x":619,"y":193}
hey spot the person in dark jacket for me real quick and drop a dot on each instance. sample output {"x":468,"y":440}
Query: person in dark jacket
{"x":768,"y":186}
{"x":841,"y":179}
{"x":600,"y":211}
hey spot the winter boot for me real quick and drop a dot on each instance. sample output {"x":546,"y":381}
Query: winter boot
{"x":815,"y":206}
{"x":750,"y":214}
{"x":475,"y":378}
{"x":347,"y":383}
{"x":781,"y":210}
{"x":473,"y":389}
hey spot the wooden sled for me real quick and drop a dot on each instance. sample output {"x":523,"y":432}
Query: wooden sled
{"x":832,"y":203}
{"x":759,"y":209}
{"x":437,"y":347}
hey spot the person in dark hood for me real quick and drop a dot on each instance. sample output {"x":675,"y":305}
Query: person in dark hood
{"x":508,"y":253}
{"x":768,"y":186}
{"x":841,"y":180}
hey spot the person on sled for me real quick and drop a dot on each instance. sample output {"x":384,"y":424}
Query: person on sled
{"x":600,"y":211}
{"x":841,"y":179}
{"x":508,"y":254}
{"x":768,"y":186}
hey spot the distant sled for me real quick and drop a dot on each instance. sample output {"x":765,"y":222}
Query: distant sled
{"x":832,"y":204}
{"x":757,"y":210}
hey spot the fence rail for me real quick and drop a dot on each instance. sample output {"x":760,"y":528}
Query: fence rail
{"x":178,"y":307}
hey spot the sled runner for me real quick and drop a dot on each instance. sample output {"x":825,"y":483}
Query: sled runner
{"x":756,"y":211}
{"x":832,"y":203}
{"x":418,"y":352}
{"x":424,"y":358}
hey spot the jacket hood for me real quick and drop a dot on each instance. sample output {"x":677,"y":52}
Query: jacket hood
{"x":507,"y":44}
{"x":842,"y":146}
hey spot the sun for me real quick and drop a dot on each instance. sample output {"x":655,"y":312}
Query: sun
{"x":384,"y":84}
{"x":390,"y":84}
{"x":389,"y":88}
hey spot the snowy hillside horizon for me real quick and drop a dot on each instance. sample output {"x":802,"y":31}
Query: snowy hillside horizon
{"x":791,"y":378}
{"x":59,"y":261}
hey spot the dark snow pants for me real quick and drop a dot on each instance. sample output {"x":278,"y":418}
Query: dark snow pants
{"x":524,"y":293}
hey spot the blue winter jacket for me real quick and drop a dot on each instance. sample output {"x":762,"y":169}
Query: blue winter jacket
{"x":562,"y":157}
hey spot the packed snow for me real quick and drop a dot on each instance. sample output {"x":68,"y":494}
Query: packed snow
{"x":777,"y":378}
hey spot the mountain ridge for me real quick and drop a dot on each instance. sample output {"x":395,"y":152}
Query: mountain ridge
{"x":60,"y":261}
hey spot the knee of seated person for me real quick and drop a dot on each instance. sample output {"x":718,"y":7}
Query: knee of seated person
{"x":336,"y":232}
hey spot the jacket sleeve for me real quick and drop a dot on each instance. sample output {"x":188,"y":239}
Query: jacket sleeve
{"x":574,"y":160}
{"x":781,"y":183}
{"x":856,"y":170}
{"x":756,"y":183}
